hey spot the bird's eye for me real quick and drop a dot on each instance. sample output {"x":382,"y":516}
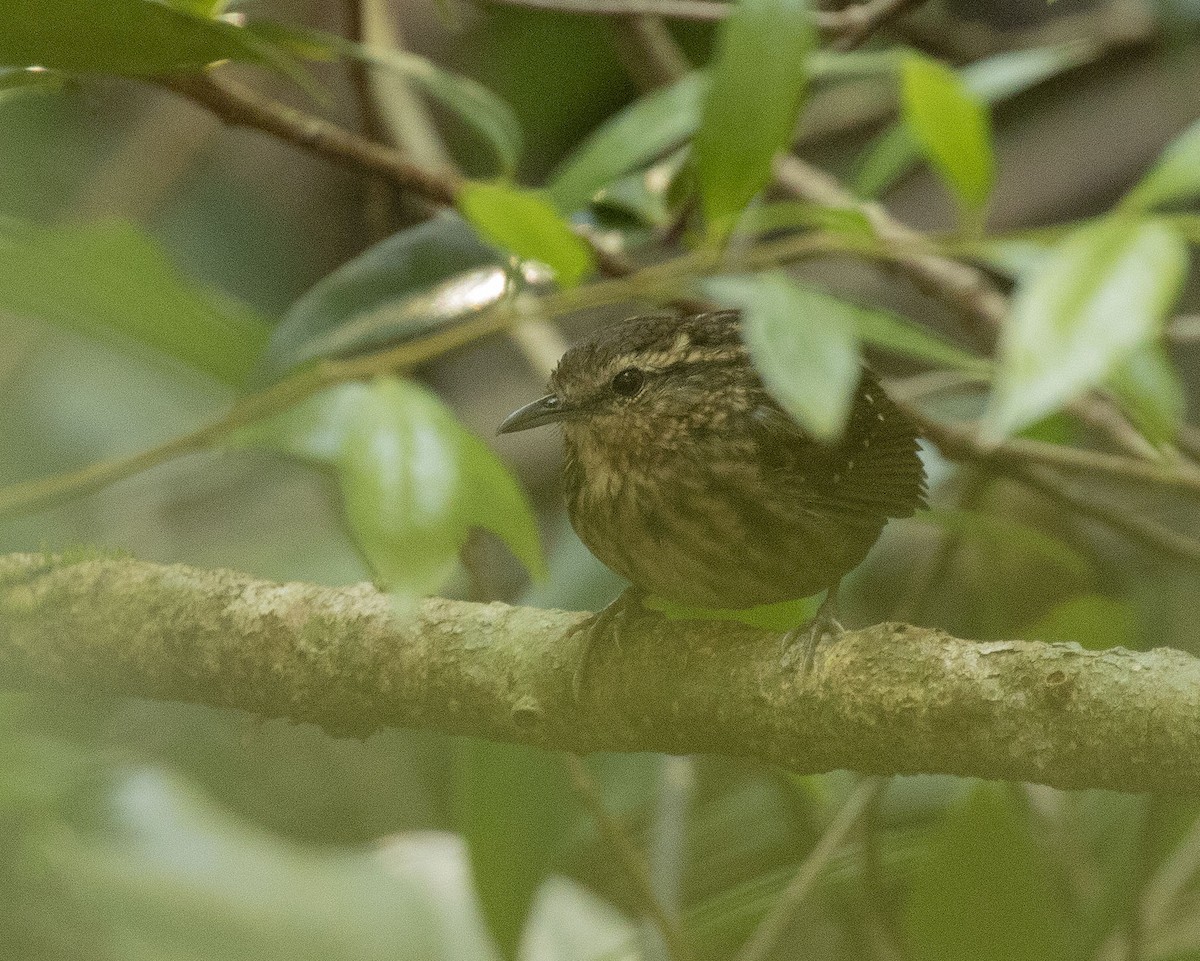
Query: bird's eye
{"x":628,"y":382}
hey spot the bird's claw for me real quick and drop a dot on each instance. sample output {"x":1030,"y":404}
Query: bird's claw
{"x":805,"y":639}
{"x":606,"y":624}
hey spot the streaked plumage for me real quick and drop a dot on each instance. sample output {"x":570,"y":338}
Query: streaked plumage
{"x":699,"y":488}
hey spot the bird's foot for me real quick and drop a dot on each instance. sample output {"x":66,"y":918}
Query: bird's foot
{"x":605,"y":625}
{"x":804,"y":640}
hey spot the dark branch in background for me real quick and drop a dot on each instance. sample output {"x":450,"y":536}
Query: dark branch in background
{"x":240,"y":106}
{"x":848,"y":27}
{"x":886,"y":699}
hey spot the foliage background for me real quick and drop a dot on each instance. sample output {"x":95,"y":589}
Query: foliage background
{"x":147,"y":830}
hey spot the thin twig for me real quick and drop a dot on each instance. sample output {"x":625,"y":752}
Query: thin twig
{"x":769,"y":933}
{"x":1149,"y":533}
{"x":960,"y":444}
{"x":858,"y":20}
{"x":871,"y":16}
{"x":637,"y":873}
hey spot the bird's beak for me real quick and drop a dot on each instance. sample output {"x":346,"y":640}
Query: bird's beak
{"x":544,"y":410}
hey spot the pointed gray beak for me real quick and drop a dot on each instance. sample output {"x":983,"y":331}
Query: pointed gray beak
{"x":544,"y":410}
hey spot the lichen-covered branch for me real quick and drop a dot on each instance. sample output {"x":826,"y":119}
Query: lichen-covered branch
{"x":886,"y":699}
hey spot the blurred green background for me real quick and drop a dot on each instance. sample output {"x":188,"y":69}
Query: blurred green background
{"x":137,"y":830}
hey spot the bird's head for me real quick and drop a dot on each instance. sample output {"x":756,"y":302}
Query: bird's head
{"x":643,"y":377}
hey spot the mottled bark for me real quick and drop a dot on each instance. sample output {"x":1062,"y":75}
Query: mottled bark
{"x":886,"y":699}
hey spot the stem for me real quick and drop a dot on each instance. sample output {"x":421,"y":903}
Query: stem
{"x":632,"y":863}
{"x":767,"y":937}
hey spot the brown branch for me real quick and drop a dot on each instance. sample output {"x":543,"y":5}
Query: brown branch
{"x":885,"y":699}
{"x":857,"y":21}
{"x":240,"y":106}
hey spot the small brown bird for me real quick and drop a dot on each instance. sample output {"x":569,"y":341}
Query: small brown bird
{"x":684,"y":475}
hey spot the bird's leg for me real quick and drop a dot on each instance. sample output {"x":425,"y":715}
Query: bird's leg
{"x":808,"y":635}
{"x":606,"y":624}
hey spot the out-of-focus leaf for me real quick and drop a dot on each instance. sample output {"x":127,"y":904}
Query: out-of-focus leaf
{"x":1012,"y":537}
{"x":951,"y":125}
{"x":985,"y":864}
{"x":1150,"y":390}
{"x":803,"y":344}
{"x":1092,"y":620}
{"x":410,"y":283}
{"x":1175,"y":178}
{"x":630,"y":139}
{"x":758,"y":77}
{"x":1188,"y":226}
{"x":514,"y":809}
{"x":569,"y":923}
{"x":130,"y":37}
{"x":899,"y":335}
{"x":1103,"y":292}
{"x":175,"y":874}
{"x":110,"y":281}
{"x":414,"y":480}
{"x":526,"y":224}
{"x":20,"y":80}
{"x":484,"y":112}
{"x":896,"y":150}
{"x":792,"y":214}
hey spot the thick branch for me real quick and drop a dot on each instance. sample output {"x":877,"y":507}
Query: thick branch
{"x":885,"y":699}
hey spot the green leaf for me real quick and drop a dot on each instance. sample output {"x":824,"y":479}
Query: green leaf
{"x":1103,"y":292}
{"x":899,"y":335}
{"x":952,"y":127}
{"x":130,"y":37}
{"x":109,"y":281}
{"x":630,"y":139}
{"x":803,"y":344}
{"x":1174,"y":179}
{"x":166,"y":873}
{"x":896,"y":150}
{"x":414,"y":481}
{"x":983,"y":893}
{"x":514,"y":806}
{"x":1091,"y":620}
{"x":1149,"y":389}
{"x":526,"y":224}
{"x":759,"y":74}
{"x":410,"y":283}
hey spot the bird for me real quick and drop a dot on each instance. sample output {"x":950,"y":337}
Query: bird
{"x":685,"y":475}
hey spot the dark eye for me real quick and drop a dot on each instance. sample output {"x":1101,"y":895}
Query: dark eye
{"x":628,"y":382}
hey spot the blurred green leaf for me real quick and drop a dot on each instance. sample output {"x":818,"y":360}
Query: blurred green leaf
{"x":414,"y":480}
{"x":1012,"y":537}
{"x":1150,"y":391}
{"x":408,"y":284}
{"x":569,"y":923}
{"x":951,"y":125}
{"x":793,"y":214}
{"x":131,"y":37}
{"x":758,"y":77}
{"x":1103,"y":292}
{"x":21,"y":80}
{"x":528,"y":225}
{"x":175,"y":877}
{"x":110,"y":281}
{"x":803,"y":344}
{"x":632,"y":138}
{"x":514,"y":808}
{"x":896,"y":150}
{"x":899,"y":335}
{"x":479,"y":108}
{"x":1094,"y":621}
{"x":982,"y":892}
{"x":1175,"y":178}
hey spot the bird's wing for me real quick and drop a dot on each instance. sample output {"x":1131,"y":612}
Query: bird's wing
{"x":871,"y":474}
